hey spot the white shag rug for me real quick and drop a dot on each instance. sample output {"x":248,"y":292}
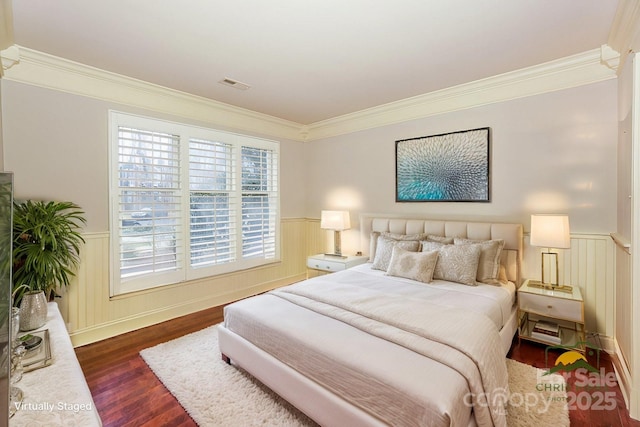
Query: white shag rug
{"x":216,"y":394}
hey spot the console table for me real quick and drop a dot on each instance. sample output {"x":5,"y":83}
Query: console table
{"x":56,"y":395}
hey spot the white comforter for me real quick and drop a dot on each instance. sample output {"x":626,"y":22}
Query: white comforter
{"x":464,"y":356}
{"x":495,"y":302}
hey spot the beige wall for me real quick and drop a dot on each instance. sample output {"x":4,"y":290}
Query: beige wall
{"x":554,"y":152}
{"x":627,"y":303}
{"x":56,"y":143}
{"x":550,"y":153}
{"x":57,"y":146}
{"x":624,"y":295}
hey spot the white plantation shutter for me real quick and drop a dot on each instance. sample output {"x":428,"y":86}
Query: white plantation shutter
{"x":188,"y":202}
{"x":149,"y":202}
{"x":212,"y":203}
{"x":259,"y":202}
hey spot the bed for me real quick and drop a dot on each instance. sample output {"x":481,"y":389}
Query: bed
{"x":381,"y":344}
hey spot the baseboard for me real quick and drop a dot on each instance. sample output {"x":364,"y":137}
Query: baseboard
{"x":141,"y":320}
{"x":607,"y":344}
{"x":622,"y":373}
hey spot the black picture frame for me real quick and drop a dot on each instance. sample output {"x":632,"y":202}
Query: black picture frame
{"x":448,"y":167}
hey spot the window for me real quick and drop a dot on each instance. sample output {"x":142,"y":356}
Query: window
{"x":188,"y":202}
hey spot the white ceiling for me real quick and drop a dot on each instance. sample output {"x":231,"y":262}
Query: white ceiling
{"x":310,"y":60}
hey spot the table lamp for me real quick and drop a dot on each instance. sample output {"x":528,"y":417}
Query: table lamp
{"x":550,"y":231}
{"x":336,"y":221}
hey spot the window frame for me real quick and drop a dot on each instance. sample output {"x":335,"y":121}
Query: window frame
{"x":185,"y":272}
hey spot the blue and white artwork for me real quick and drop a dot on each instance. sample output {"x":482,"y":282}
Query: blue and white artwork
{"x":452,"y":167}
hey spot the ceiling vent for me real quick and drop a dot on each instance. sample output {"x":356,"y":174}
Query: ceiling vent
{"x":234,"y":83}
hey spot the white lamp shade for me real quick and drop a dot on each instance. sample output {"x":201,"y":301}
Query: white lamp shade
{"x":335,"y":220}
{"x":550,"y":231}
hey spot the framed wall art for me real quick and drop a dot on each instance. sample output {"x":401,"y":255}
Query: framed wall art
{"x":451,"y":167}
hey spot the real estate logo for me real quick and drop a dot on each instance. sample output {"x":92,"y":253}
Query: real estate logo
{"x":569,"y":361}
{"x":570,"y":381}
{"x":587,"y":387}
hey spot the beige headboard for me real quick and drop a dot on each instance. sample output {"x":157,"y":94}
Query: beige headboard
{"x":512,"y":234}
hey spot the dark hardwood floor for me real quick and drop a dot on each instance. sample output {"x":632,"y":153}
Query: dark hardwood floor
{"x":589,"y":395}
{"x":127,"y":393}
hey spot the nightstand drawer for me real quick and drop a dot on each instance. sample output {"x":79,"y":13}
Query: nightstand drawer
{"x":326,"y":265}
{"x":552,"y":307}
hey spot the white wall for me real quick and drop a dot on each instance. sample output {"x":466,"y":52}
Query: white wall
{"x":550,"y":153}
{"x":56,"y":143}
{"x":627,"y":288}
{"x":554,"y":152}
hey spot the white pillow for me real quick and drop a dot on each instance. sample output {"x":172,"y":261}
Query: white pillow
{"x":489,"y":263}
{"x":412,"y":265}
{"x":458,"y":263}
{"x":384,"y":250}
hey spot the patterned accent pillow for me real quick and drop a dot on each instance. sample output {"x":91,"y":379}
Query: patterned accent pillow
{"x":412,"y":265}
{"x":440,"y":239}
{"x":395,"y":236}
{"x":384,"y":251}
{"x":458,"y":263}
{"x":373,"y":240}
{"x":428,"y":246}
{"x":489,"y":264}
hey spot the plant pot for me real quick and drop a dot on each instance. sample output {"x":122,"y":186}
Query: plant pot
{"x":33,"y":310}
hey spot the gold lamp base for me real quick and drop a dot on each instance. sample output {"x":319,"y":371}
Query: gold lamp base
{"x":550,"y":287}
{"x":337,"y":246}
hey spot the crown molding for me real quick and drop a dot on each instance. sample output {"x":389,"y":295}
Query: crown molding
{"x":51,"y":72}
{"x":8,"y":58}
{"x":565,"y":73}
{"x":610,"y":57}
{"x":624,"y":36}
{"x":44,"y":70}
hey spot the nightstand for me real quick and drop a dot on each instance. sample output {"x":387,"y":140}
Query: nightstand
{"x":566,"y":310}
{"x":329,"y":264}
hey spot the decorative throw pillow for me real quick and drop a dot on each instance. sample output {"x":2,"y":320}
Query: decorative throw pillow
{"x":427,"y":246}
{"x":489,"y":264}
{"x":412,"y":265}
{"x":396,"y":236}
{"x":458,"y":263}
{"x":384,"y":250}
{"x":440,"y":239}
{"x":373,"y":242}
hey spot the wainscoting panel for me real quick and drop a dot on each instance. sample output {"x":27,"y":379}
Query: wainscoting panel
{"x":92,"y":315}
{"x":624,"y":300}
{"x":624,"y":325}
{"x":589,"y":264}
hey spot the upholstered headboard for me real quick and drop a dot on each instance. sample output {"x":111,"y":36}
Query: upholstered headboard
{"x":512,"y":234}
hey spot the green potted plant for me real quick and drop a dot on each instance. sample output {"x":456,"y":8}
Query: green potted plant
{"x":46,"y":252}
